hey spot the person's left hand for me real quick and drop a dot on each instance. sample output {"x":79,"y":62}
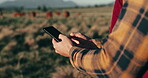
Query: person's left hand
{"x":64,"y":46}
{"x":83,"y":41}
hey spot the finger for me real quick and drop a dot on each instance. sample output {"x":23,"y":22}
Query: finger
{"x":79,"y":35}
{"x":56,"y":51}
{"x":61,"y":36}
{"x":76,"y":41}
{"x":53,"y":41}
{"x":72,"y":34}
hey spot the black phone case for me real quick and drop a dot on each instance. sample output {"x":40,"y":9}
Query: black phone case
{"x":53,"y":32}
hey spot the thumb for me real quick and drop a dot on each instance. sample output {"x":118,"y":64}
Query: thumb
{"x":61,"y":36}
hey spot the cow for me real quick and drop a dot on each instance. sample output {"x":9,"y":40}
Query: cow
{"x":49,"y":14}
{"x":17,"y":14}
{"x":79,"y":14}
{"x":57,"y":13}
{"x":32,"y":14}
{"x":66,"y":14}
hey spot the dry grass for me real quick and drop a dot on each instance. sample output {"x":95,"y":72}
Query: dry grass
{"x":27,"y":52}
{"x":68,"y":72}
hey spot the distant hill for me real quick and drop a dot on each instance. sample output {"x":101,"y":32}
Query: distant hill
{"x":36,"y":3}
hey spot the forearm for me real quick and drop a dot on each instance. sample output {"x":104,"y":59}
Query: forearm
{"x":87,"y":61}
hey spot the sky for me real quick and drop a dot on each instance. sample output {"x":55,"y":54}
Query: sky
{"x":81,"y":2}
{"x":91,"y":2}
{"x":1,"y":1}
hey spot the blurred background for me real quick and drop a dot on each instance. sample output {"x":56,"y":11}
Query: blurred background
{"x":27,"y":52}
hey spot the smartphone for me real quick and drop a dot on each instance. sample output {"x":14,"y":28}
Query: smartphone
{"x":53,"y":32}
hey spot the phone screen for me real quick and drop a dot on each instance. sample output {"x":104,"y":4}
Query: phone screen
{"x":53,"y":32}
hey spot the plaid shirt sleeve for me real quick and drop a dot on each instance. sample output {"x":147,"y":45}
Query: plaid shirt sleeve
{"x":124,"y":54}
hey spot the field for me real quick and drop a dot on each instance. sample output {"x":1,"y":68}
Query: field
{"x":27,"y":52}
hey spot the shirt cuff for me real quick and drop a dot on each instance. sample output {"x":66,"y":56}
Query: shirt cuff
{"x":73,"y":50}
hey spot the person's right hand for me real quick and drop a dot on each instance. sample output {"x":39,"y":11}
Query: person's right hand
{"x":83,"y":41}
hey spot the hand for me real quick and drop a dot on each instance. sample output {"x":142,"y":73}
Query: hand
{"x":64,"y":46}
{"x":83,"y":41}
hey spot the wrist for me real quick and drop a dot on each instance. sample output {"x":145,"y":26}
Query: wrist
{"x":70,"y":46}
